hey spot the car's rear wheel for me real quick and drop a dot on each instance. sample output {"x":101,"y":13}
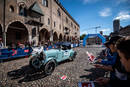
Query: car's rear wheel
{"x":49,"y":67}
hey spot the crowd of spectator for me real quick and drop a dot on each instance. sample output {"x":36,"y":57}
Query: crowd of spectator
{"x":117,"y":62}
{"x":45,"y":44}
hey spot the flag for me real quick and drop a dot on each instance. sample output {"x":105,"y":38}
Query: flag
{"x":86,"y":84}
{"x":91,"y":57}
{"x":64,"y":77}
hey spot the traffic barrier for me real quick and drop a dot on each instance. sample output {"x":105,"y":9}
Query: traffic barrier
{"x":15,"y":52}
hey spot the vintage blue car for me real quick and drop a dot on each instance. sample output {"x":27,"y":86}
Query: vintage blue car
{"x":49,"y":59}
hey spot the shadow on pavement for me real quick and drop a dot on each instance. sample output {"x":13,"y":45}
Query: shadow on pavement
{"x":11,"y":59}
{"x":94,"y":74}
{"x":26,"y":74}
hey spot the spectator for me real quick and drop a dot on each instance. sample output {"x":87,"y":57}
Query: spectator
{"x":113,"y":61}
{"x":1,"y":44}
{"x":123,"y":49}
{"x":111,"y":58}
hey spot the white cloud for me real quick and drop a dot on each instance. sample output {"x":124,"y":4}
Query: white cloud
{"x":105,"y":12}
{"x":123,"y":15}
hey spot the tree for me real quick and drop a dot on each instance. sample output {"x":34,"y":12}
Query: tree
{"x":82,"y":36}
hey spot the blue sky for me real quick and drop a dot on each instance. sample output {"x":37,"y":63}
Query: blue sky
{"x":93,"y":13}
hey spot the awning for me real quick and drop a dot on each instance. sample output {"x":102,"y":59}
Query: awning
{"x":36,"y":8}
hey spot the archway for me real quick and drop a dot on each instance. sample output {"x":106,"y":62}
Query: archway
{"x":55,"y":36}
{"x":44,"y":35}
{"x":0,"y":31}
{"x":60,"y":37}
{"x":89,"y":35}
{"x":16,"y":32}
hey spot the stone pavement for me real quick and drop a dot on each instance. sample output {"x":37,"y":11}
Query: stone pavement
{"x":17,"y":73}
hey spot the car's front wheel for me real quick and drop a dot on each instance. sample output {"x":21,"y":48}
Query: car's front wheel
{"x":49,"y":67}
{"x":35,"y":63}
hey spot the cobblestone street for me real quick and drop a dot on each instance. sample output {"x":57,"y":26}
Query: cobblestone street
{"x":17,"y":73}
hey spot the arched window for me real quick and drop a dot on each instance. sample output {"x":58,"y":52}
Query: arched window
{"x":54,"y":24}
{"x":66,"y":20}
{"x":45,"y":3}
{"x":58,"y":12}
{"x":48,"y":21}
{"x":11,"y":9}
{"x":22,"y":10}
{"x":71,"y":24}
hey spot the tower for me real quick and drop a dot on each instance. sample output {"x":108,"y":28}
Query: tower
{"x":116,"y":25}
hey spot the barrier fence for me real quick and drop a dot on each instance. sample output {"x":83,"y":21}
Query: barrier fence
{"x":22,"y":52}
{"x":14,"y":53}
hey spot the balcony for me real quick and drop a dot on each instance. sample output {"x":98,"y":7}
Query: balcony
{"x":33,"y":21}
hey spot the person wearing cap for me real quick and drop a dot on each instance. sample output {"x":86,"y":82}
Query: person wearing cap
{"x":112,"y":61}
{"x":1,"y":44}
{"x":110,"y":56}
{"x":118,"y":72}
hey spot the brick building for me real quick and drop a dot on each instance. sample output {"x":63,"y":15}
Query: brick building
{"x":36,"y":21}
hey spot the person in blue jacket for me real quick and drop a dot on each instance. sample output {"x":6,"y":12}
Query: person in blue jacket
{"x":113,"y":61}
{"x":123,"y":49}
{"x":111,"y":52}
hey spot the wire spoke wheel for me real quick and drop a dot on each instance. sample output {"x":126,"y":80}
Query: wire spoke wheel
{"x":49,"y":68}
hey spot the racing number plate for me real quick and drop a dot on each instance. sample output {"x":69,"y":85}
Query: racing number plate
{"x":66,"y":53}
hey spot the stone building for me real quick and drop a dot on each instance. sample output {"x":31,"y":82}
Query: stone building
{"x":36,"y":21}
{"x":125,"y":31}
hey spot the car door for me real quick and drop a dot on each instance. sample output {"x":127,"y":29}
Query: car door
{"x":66,"y":54}
{"x":60,"y":55}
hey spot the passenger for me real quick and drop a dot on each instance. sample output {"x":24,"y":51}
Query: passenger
{"x":123,"y":49}
{"x":1,"y":44}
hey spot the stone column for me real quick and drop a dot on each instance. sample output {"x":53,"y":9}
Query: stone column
{"x":4,"y":39}
{"x":51,"y":35}
{"x":29,"y":37}
{"x":37,"y":34}
{"x":51,"y":14}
